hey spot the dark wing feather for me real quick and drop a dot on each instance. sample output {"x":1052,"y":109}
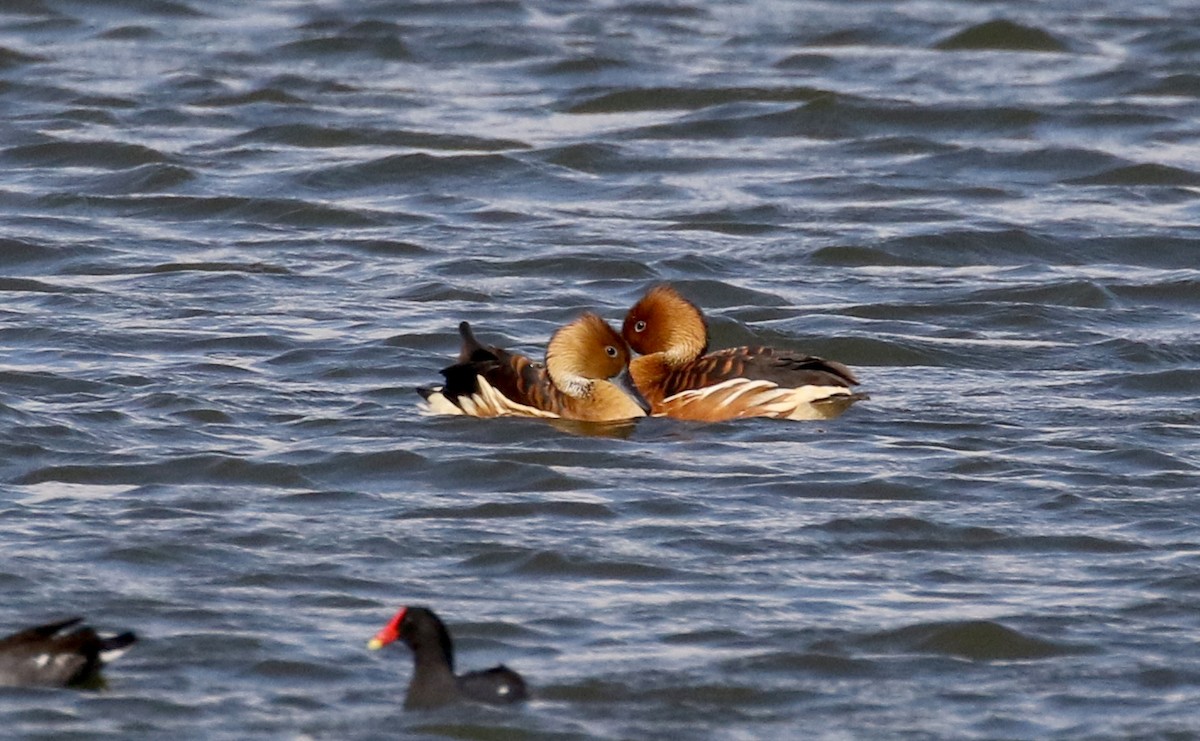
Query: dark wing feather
{"x":74,"y":657}
{"x":497,"y":686}
{"x":474,"y":351}
{"x":758,"y":364}
{"x":38,"y":633}
{"x":119,"y":641}
{"x":516,"y":376}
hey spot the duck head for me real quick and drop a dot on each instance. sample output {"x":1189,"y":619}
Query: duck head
{"x":662,"y":321}
{"x":421,"y":630}
{"x":587,"y":352}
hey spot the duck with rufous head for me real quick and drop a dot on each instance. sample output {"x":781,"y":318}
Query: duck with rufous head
{"x":585,"y":377}
{"x":678,"y":377}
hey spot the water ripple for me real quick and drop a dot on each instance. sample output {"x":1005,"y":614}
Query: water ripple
{"x":237,"y":238}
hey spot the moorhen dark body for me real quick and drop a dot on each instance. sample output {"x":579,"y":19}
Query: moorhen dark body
{"x":434,"y":682}
{"x":53,"y":655}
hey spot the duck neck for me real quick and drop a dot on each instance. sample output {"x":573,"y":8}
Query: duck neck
{"x":678,"y":355}
{"x":615,"y":403}
{"x":565,"y":377}
{"x":686,"y":342}
{"x":648,"y":373}
{"x":433,"y":682}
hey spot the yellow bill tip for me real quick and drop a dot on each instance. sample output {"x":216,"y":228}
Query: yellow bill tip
{"x":374,"y":644}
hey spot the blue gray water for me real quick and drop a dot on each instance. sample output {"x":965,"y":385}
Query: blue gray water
{"x":234,"y":237}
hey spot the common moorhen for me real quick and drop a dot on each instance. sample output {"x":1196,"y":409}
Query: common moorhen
{"x":434,"y":682}
{"x":53,"y":655}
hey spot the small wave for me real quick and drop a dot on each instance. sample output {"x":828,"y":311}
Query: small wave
{"x":166,"y":8}
{"x":789,"y":663}
{"x":219,"y":267}
{"x":860,"y":256}
{"x":505,"y":510}
{"x":977,"y":640}
{"x":562,"y":265}
{"x":505,"y":476}
{"x":1185,"y":85}
{"x":1002,"y":35}
{"x":29,"y":285}
{"x":582,"y":65}
{"x":383,"y":47}
{"x":108,"y":155}
{"x":33,"y":383}
{"x":259,"y":211}
{"x":13,"y":58}
{"x":1075,"y":293}
{"x":129,"y":33}
{"x":322,"y":137}
{"x":150,"y":178}
{"x":908,"y":533}
{"x":419,"y":170}
{"x":1152,"y":353}
{"x":269,"y":95}
{"x":668,"y":98}
{"x":1141,"y":174}
{"x":747,"y":222}
{"x":1173,"y":381}
{"x":299,"y":671}
{"x":549,"y":564}
{"x":208,"y":468}
{"x":841,"y":117}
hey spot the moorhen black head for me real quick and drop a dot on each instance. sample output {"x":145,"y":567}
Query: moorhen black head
{"x":434,"y":682}
{"x":52,"y":655}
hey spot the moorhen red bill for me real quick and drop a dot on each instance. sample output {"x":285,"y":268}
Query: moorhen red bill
{"x":62,"y":654}
{"x":434,"y":682}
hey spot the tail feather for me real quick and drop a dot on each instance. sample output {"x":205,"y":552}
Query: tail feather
{"x":55,"y":628}
{"x":112,"y":647}
{"x":117,"y":642}
{"x":44,"y":631}
{"x":472,"y":348}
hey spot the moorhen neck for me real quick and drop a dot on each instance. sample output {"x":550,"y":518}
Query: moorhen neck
{"x":434,"y":682}
{"x":53,"y":655}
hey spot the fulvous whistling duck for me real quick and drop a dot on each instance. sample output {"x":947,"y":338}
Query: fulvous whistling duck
{"x":679,"y":380}
{"x":574,"y":383}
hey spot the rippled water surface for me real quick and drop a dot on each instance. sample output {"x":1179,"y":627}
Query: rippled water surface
{"x":234,"y":237}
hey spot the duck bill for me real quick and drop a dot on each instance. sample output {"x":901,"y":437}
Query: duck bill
{"x":389,"y":632}
{"x":625,"y":382}
{"x":382,"y":638}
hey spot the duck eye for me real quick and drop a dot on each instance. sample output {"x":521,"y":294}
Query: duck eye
{"x":612,"y":351}
{"x":640,"y":326}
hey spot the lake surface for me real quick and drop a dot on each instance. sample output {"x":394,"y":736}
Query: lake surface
{"x":235,"y":237}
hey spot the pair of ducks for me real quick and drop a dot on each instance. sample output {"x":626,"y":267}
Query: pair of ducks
{"x":584,"y":377}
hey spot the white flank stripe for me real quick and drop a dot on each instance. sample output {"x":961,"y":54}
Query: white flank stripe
{"x":113,"y":654}
{"x":489,"y":402}
{"x":773,"y":401}
{"x":740,"y":386}
{"x":437,"y":404}
{"x":804,"y":397}
{"x":745,"y":389}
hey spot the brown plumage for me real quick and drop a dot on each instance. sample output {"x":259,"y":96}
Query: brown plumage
{"x":574,"y":383}
{"x":678,"y":380}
